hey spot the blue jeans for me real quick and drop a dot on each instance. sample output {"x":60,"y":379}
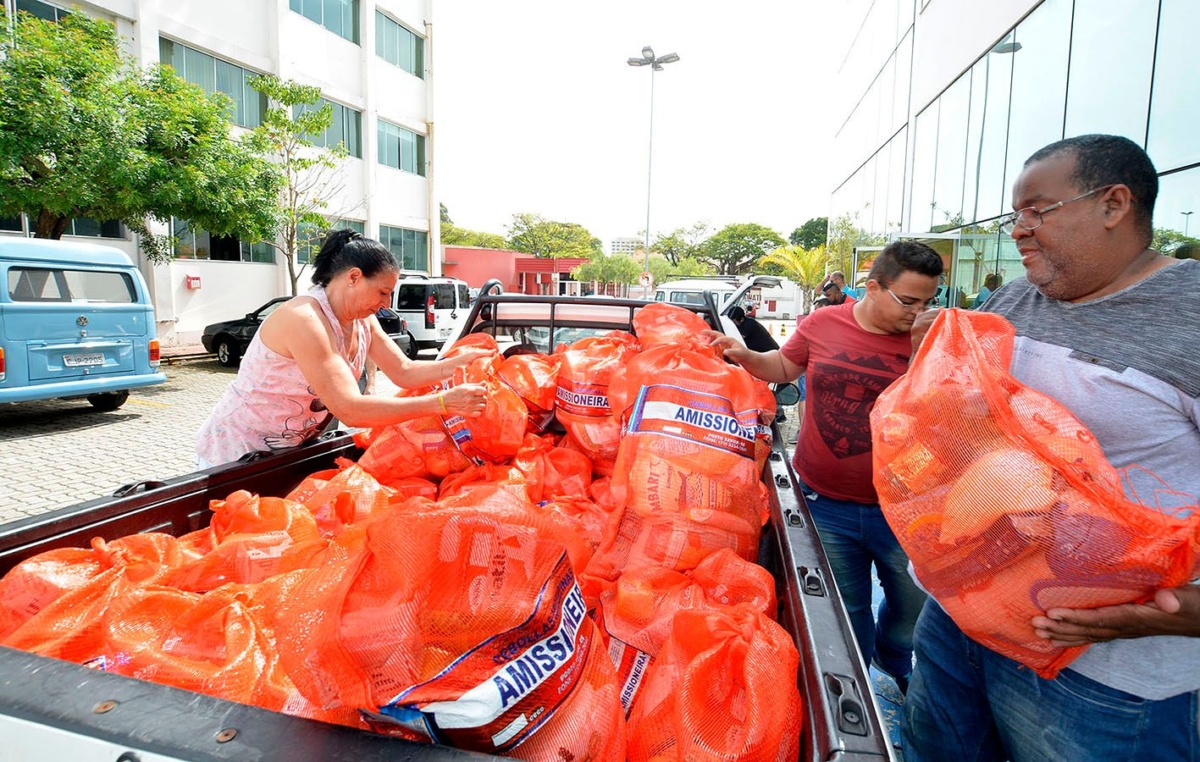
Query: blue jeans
{"x":967,"y":703}
{"x":855,"y":536}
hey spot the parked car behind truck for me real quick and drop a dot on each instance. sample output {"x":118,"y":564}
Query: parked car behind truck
{"x":76,"y":321}
{"x":44,"y":702}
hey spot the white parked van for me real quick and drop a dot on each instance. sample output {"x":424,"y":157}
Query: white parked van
{"x":431,"y":306}
{"x":691,"y":290}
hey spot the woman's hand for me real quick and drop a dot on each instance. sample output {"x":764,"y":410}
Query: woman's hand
{"x":467,"y":400}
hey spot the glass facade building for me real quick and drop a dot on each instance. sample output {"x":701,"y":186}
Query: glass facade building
{"x":940,"y":168}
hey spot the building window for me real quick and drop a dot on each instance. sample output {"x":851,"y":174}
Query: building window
{"x":12,"y":224}
{"x":338,"y":16}
{"x":216,"y":75}
{"x":310,"y":237}
{"x":401,"y":149}
{"x":86,"y":226}
{"x":193,"y":243}
{"x":346,"y":127}
{"x":41,"y":10}
{"x":1175,"y":106}
{"x":398,"y":46}
{"x":411,"y":247}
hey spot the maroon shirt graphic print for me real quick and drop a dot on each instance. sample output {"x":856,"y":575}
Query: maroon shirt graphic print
{"x":846,"y":368}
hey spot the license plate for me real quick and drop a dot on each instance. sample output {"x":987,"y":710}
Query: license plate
{"x":83,"y":361}
{"x":443,"y":333}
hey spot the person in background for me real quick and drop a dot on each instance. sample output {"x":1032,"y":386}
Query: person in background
{"x":830,"y":291}
{"x":302,"y":366}
{"x":753,"y":333}
{"x":838,"y":279}
{"x":1109,"y":327}
{"x":990,"y":284}
{"x":850,"y":353}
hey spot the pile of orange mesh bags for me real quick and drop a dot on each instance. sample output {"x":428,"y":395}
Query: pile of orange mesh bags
{"x":1005,"y":502}
{"x":481,"y":583}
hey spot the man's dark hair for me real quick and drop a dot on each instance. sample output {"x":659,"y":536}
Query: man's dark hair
{"x":900,"y":256}
{"x":1107,"y":160}
{"x":737,"y":314}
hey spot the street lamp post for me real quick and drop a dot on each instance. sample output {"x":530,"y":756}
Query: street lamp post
{"x":1187,"y":216}
{"x":655,"y":63}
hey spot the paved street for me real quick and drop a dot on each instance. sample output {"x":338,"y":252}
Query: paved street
{"x":57,"y":453}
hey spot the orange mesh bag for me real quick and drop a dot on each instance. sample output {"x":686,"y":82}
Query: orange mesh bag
{"x":640,"y":606}
{"x":462,"y":622}
{"x":534,"y":377}
{"x":256,"y":537}
{"x":413,"y":486}
{"x":420,"y":447}
{"x":350,"y":495}
{"x":686,"y":466}
{"x":587,"y":367}
{"x":36,"y":582}
{"x":496,"y":435}
{"x":723,"y":687}
{"x":1005,"y":502}
{"x":551,"y":471}
{"x":661,"y":323}
{"x":487,"y":477}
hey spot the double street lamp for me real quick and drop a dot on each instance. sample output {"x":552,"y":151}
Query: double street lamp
{"x":655,"y":63}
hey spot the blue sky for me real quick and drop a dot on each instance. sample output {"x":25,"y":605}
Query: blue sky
{"x":536,"y":110}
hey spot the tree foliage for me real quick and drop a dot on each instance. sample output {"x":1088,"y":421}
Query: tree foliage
{"x":806,"y":267}
{"x":85,"y":133}
{"x":844,"y":236}
{"x":1168,"y":241}
{"x":736,"y":248}
{"x":452,"y":235}
{"x":811,"y":234}
{"x":619,"y":269}
{"x":312,"y":177}
{"x":532,"y":234}
{"x":681,"y":243}
{"x":662,"y":270}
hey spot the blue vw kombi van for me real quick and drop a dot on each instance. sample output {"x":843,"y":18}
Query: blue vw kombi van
{"x":75,"y":321}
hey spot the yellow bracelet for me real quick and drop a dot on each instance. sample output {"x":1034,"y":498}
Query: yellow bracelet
{"x":442,"y":399}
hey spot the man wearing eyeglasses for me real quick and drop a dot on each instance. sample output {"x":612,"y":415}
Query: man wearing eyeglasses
{"x":1109,"y":328}
{"x":849,"y":353}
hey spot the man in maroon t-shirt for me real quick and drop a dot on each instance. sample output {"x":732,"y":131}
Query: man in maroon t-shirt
{"x":849,"y":353}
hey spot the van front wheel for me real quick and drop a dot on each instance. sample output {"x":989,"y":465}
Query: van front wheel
{"x":106,"y":402}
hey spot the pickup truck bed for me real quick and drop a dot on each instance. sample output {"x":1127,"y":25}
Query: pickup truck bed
{"x":60,"y":710}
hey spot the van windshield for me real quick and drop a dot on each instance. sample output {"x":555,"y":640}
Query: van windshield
{"x":36,"y":284}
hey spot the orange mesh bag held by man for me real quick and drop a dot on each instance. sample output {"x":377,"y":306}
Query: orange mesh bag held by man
{"x":1004,"y":501}
{"x":462,"y":622}
{"x":723,"y":687}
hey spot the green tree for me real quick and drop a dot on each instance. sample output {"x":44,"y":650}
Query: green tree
{"x":663,"y":270}
{"x":811,"y":234}
{"x":1167,"y":241}
{"x":445,"y":214}
{"x":844,"y":236}
{"x":84,"y":132}
{"x":452,"y":235}
{"x":311,"y":176}
{"x":535,"y":235}
{"x":681,"y":243}
{"x":805,"y":267}
{"x":532,"y":234}
{"x":619,"y":269}
{"x":736,"y":248}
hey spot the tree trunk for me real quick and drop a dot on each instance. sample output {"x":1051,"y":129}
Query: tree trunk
{"x":50,"y":225}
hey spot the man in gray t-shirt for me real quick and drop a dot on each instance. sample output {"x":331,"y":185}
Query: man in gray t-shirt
{"x":1110,"y":328}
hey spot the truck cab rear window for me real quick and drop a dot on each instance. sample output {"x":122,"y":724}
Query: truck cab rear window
{"x":28,"y":284}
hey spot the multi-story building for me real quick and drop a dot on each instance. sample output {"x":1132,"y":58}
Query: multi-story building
{"x":371,"y":61}
{"x":625,"y":245}
{"x":943,"y":101}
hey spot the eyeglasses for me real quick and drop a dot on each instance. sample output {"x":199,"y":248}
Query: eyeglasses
{"x":1031,"y":218}
{"x":912,"y":306}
